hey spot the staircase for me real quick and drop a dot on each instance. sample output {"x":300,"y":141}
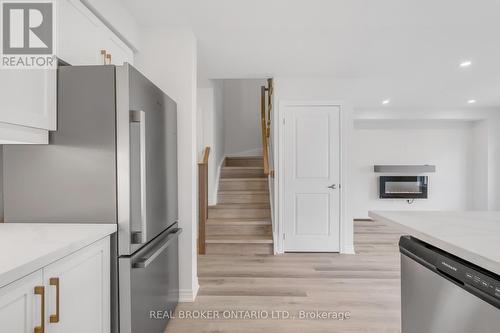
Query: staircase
{"x":240,"y":224}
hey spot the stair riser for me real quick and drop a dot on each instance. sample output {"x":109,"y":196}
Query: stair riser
{"x":248,"y":162}
{"x":232,"y":229}
{"x":251,"y":173}
{"x":243,"y":185}
{"x":239,"y":249}
{"x":243,"y":198}
{"x":238,"y":213}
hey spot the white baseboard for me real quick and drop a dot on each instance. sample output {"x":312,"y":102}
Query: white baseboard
{"x":188,"y":295}
{"x":250,"y":152}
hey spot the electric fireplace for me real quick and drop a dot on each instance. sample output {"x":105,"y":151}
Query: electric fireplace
{"x":403,"y":187}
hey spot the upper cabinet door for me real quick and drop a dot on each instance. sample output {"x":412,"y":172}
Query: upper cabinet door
{"x":117,"y":50}
{"x":28,"y":97}
{"x":20,"y":307}
{"x":79,"y":34}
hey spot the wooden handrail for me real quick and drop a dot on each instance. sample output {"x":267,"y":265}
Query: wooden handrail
{"x":265,"y":120}
{"x":263,"y":123}
{"x":203,"y":200}
{"x":206,"y":154}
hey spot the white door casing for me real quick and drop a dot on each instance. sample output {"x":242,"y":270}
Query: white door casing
{"x":311,"y":175}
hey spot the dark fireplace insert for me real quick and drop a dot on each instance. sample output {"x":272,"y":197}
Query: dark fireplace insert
{"x":403,"y":187}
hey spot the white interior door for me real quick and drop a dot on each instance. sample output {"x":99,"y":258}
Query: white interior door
{"x":311,"y":178}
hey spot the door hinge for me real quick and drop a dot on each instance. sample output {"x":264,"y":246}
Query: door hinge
{"x":284,"y":236}
{"x":283,"y":121}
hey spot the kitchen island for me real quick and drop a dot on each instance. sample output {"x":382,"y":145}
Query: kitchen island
{"x":450,"y":270}
{"x":471,"y":235}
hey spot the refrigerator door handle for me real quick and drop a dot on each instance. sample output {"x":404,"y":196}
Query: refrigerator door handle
{"x":144,"y":262}
{"x":140,"y":118}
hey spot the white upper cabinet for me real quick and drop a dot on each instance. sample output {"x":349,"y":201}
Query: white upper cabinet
{"x":82,"y":37}
{"x":117,"y":51}
{"x":78,"y":34}
{"x":28,"y":98}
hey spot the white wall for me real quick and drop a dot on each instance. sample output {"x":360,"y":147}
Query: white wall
{"x":486,"y":142}
{"x":169,"y":58}
{"x":480,"y":156}
{"x":494,"y":161}
{"x":448,"y":146}
{"x":242,"y":117}
{"x":1,"y":183}
{"x":211,"y":126}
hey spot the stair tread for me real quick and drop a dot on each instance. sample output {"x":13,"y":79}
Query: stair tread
{"x":240,"y":239}
{"x":252,"y":179}
{"x":241,"y":206}
{"x":238,"y":192}
{"x":239,"y":221}
{"x":232,"y":167}
{"x":257,"y":157}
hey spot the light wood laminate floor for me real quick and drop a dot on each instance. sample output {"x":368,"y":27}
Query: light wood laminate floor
{"x":367,"y":285}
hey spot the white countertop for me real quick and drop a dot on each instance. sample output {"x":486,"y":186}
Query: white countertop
{"x":27,"y":247}
{"x":471,"y":235}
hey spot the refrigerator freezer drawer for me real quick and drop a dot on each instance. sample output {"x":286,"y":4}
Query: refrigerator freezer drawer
{"x":149,"y":283}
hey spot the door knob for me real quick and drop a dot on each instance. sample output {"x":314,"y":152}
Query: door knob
{"x":333,"y":186}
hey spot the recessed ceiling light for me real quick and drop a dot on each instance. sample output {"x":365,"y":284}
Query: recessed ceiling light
{"x":471,"y":101}
{"x":465,"y":63}
{"x":386,"y":101}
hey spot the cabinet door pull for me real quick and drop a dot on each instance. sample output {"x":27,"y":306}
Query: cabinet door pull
{"x":103,"y":54}
{"x":40,"y":290}
{"x":54,"y":318}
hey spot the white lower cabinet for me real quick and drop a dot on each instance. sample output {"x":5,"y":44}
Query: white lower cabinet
{"x":20,"y":307}
{"x":83,"y":280}
{"x":76,"y":291}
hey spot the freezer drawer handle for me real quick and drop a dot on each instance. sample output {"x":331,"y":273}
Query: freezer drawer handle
{"x":144,"y":262}
{"x":140,"y":118}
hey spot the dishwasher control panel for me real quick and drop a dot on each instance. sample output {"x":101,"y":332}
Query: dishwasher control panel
{"x":467,"y":275}
{"x":456,"y":269}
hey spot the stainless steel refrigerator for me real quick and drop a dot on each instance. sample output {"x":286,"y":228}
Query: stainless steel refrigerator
{"x":113,"y":159}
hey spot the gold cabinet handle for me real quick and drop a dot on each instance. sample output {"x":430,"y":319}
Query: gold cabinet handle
{"x":103,"y":54}
{"x":40,"y":290}
{"x":108,"y":57}
{"x":54,"y":318}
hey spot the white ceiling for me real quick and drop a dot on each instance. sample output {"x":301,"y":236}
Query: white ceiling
{"x":406,"y":50}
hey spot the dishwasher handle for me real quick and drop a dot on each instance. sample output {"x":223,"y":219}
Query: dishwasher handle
{"x":144,"y":262}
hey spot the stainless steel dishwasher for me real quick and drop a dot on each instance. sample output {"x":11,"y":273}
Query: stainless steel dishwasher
{"x":442,"y":293}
